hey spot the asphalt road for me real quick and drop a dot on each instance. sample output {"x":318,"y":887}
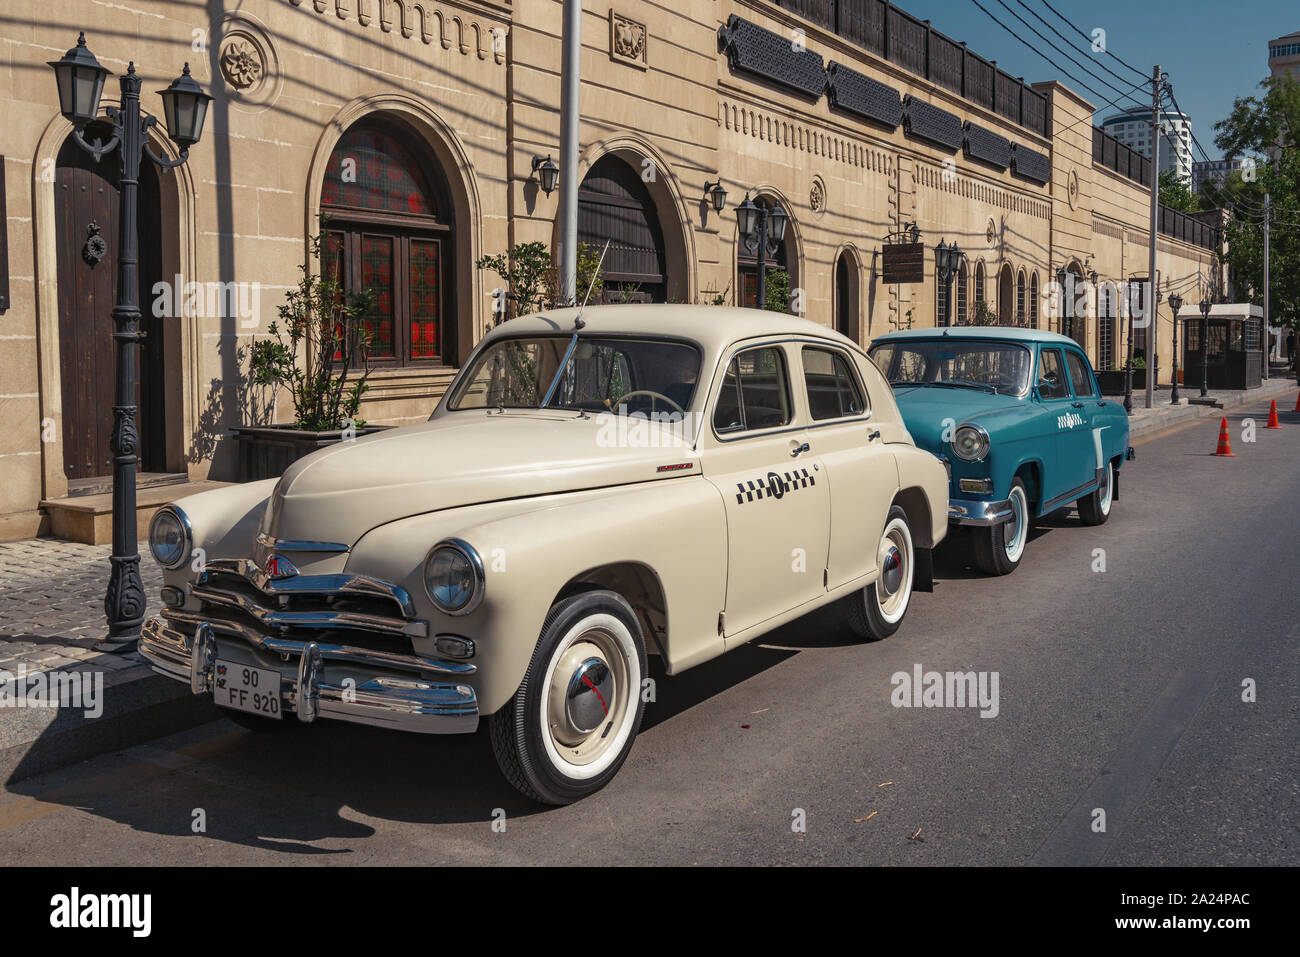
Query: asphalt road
{"x":1118,"y":690}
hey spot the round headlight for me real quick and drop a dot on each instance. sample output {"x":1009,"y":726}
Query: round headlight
{"x":169,"y":537}
{"x":970,"y":442}
{"x":453,"y":577}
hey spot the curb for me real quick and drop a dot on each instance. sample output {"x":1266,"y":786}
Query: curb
{"x":138,"y":706}
{"x":1149,"y":425}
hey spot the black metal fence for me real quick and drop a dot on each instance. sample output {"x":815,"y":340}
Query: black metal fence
{"x":1114,"y":155}
{"x":881,"y":28}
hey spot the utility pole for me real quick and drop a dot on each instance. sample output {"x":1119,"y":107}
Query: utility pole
{"x":1152,"y":309}
{"x":570,"y":84}
{"x":1266,"y":316}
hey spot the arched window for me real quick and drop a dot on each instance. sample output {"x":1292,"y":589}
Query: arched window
{"x":1033,"y":300}
{"x":962,"y":314}
{"x":388,"y":230}
{"x":1020,"y":298}
{"x":979,"y":282}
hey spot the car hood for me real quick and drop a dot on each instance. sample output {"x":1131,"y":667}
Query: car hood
{"x":343,"y":491}
{"x":925,"y":408}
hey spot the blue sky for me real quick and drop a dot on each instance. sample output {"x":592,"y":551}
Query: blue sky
{"x":1212,"y":51}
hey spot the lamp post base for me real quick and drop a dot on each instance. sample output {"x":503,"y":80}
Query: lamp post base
{"x":118,"y":644}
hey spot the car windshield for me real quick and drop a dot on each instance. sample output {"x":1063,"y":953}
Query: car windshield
{"x":602,"y":374}
{"x":955,"y":363}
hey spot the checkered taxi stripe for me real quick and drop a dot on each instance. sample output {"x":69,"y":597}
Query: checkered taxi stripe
{"x":774,"y":485}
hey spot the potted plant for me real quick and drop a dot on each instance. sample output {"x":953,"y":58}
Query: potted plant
{"x":1113,"y":380}
{"x":318,"y":350}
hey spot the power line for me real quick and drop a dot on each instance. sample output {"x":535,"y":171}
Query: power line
{"x":1054,"y":64}
{"x":1090,"y":40}
{"x":1090,"y":72}
{"x":1067,"y":41}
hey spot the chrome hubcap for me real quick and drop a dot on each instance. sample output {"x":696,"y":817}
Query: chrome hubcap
{"x":891,"y":575}
{"x":591,"y":691}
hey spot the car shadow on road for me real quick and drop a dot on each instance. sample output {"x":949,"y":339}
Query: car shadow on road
{"x":291,"y":789}
{"x":954,"y":559}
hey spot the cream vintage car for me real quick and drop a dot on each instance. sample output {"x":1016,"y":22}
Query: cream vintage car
{"x":595,"y":487}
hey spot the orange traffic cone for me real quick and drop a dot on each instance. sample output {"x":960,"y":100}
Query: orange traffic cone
{"x":1272,"y":417}
{"x":1225,"y":446}
{"x":1297,"y":402}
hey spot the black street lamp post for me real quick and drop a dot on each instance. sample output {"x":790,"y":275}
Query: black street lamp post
{"x":1205,"y":346}
{"x":948,"y":260}
{"x":1128,"y":361}
{"x":1175,"y":303}
{"x":1067,"y":304}
{"x":762,"y":227}
{"x":81,"y":83}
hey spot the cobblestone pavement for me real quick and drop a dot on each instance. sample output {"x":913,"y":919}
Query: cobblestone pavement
{"x":52,"y":605}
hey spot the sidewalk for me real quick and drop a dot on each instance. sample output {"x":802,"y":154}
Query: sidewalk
{"x":51,"y":613}
{"x":1162,"y":415}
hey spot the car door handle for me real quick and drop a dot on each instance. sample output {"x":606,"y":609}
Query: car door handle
{"x":1102,"y":403}
{"x":798,"y":450}
{"x":873,"y":435}
{"x":1077,"y":405}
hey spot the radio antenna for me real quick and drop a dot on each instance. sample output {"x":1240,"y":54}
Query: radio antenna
{"x":577,"y":322}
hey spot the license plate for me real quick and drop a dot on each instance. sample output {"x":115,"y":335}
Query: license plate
{"x":245,"y":688}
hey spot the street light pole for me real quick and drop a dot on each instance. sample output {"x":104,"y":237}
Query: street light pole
{"x":1128,"y":359}
{"x":80,"y":81}
{"x":1175,"y":303}
{"x":1152,"y":328}
{"x":761,"y":224}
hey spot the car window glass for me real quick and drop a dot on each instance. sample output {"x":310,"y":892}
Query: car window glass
{"x":755,"y":392}
{"x":1080,"y":377}
{"x":1051,"y":375}
{"x":832,"y":390}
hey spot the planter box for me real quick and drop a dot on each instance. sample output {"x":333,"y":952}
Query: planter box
{"x":265,"y":451}
{"x":1112,"y":381}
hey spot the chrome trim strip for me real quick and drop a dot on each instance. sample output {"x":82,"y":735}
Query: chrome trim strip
{"x":400,"y":703}
{"x":966,"y":512}
{"x":311,"y":584}
{"x":299,"y":545}
{"x":1069,"y":496}
{"x":181,"y":620}
{"x":312,"y":619}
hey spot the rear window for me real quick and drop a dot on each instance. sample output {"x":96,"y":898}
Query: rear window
{"x":755,"y":392}
{"x":833,"y":392}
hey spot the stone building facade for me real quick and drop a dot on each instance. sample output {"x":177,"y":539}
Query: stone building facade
{"x":414,"y":124}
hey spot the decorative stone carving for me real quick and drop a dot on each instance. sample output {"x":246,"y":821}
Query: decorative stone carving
{"x":241,"y":64}
{"x":247,"y":62}
{"x":817,"y":196}
{"x":627,"y":40}
{"x":991,"y":231}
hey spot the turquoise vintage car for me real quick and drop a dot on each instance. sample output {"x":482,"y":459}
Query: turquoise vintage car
{"x":1019,"y":421}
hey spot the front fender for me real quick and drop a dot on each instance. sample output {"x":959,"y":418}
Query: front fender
{"x":531,"y":550}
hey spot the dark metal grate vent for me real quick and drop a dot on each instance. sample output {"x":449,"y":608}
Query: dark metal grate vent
{"x":923,"y":121}
{"x":755,"y":50}
{"x":1030,"y":164}
{"x":855,"y":93}
{"x":987,"y":146}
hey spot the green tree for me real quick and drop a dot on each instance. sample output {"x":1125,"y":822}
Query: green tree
{"x":777,"y":291}
{"x":1175,"y":194}
{"x":1265,"y":130}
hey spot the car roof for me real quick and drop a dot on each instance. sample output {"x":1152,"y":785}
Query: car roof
{"x":1015,"y":333}
{"x":713,"y":327}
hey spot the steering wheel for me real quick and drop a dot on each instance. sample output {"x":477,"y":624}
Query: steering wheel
{"x":654,"y":396}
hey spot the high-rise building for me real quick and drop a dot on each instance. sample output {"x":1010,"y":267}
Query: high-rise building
{"x":1216,"y":171}
{"x":1133,"y":129}
{"x":1284,"y":55}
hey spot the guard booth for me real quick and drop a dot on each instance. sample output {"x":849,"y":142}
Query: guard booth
{"x":1235,"y":349}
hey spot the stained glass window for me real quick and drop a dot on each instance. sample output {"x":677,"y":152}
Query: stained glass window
{"x":389,"y":234}
{"x":370,"y":169}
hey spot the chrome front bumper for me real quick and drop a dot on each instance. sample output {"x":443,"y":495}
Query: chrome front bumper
{"x":320,"y":679}
{"x":970,"y":512}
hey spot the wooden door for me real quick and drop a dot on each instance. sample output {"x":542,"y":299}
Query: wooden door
{"x":86,"y":226}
